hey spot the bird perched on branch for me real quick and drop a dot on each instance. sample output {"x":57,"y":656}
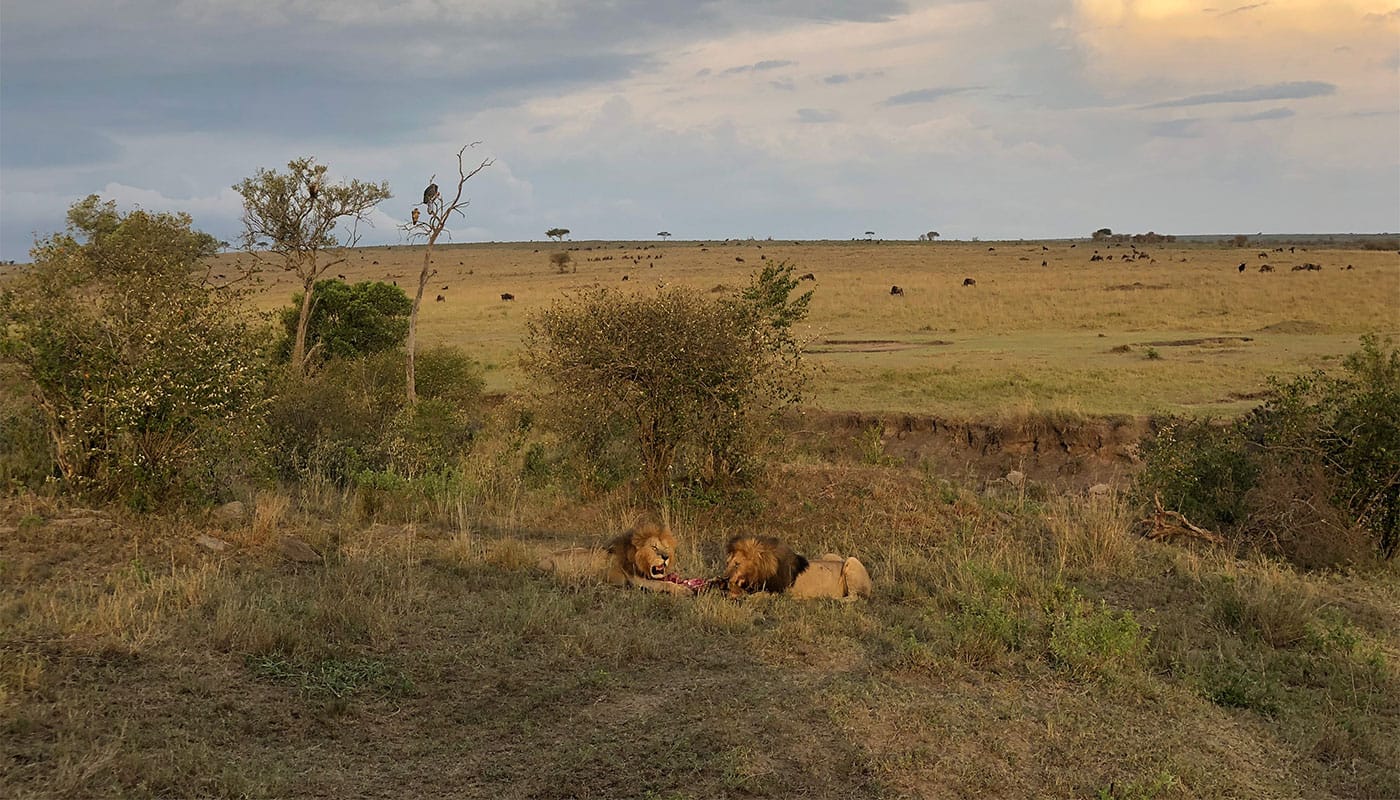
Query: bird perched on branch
{"x":430,"y":194}
{"x":415,"y":216}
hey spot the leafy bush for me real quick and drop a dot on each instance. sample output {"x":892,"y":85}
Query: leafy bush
{"x":1308,"y":473}
{"x":684,"y":382}
{"x":348,"y":320}
{"x":1200,"y":468}
{"x":25,"y":457}
{"x":350,"y":419}
{"x":141,"y":371}
{"x":1347,"y":425}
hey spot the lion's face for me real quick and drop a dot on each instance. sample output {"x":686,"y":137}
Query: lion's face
{"x":647,"y":552}
{"x":749,"y":565}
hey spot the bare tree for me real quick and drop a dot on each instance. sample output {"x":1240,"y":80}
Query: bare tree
{"x":439,"y":213}
{"x":297,"y":216}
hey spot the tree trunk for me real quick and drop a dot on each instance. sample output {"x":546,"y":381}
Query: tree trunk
{"x":303,"y":322}
{"x":412,"y":343}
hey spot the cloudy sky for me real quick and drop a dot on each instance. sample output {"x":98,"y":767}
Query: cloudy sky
{"x":720,"y":118}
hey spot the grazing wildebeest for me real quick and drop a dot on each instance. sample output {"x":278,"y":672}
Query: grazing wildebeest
{"x":1044,"y":264}
{"x":1349,"y":266}
{"x":1241,"y":266}
{"x":969,"y":282}
{"x":738,"y":259}
{"x":507,"y":296}
{"x":895,"y":290}
{"x":342,"y":277}
{"x":1266,"y":268}
{"x":444,"y":287}
{"x":441,"y":299}
{"x":808,"y":277}
{"x":624,"y":277}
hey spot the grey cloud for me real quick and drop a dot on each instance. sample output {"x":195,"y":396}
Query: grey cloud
{"x":847,"y":77}
{"x":1273,"y":113}
{"x":925,"y":95}
{"x":758,"y":67}
{"x":1188,"y":128}
{"x":817,"y":115}
{"x":31,"y":143}
{"x":1292,"y":90}
{"x":785,"y":85}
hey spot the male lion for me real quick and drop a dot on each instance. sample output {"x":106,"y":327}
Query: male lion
{"x":767,"y":564}
{"x":643,"y":557}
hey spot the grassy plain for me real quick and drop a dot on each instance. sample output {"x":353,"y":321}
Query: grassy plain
{"x":1182,"y":331}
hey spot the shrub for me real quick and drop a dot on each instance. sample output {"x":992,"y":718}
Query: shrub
{"x":1310,"y":473}
{"x":1200,"y":468}
{"x":1348,"y":426}
{"x":25,"y":457}
{"x":140,"y":369}
{"x":348,"y":320}
{"x":561,"y":261}
{"x":684,"y":380}
{"x":350,"y":419}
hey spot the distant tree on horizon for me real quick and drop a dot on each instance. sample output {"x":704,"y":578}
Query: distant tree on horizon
{"x":557,"y":234}
{"x":664,"y":234}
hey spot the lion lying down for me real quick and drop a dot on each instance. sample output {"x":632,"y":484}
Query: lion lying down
{"x":643,"y":557}
{"x":767,"y":564}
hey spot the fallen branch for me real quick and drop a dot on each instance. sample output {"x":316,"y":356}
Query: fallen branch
{"x":1163,"y":524}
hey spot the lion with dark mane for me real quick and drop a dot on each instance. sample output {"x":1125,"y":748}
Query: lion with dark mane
{"x":643,"y":557}
{"x":768,"y":564}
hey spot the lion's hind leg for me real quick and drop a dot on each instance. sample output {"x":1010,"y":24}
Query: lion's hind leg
{"x":856,"y":579}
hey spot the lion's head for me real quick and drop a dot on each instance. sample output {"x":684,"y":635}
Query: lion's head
{"x":646,"y":551}
{"x":760,"y":564}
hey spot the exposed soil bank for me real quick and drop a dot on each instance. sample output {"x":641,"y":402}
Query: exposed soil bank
{"x":1070,"y":453}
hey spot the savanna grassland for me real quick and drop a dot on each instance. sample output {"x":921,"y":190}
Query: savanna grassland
{"x":1181,"y":331}
{"x":392,"y":637}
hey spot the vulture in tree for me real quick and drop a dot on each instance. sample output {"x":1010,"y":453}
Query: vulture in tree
{"x":430,"y":194}
{"x":415,"y":216}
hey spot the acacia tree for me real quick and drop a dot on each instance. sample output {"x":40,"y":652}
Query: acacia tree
{"x":439,"y":213}
{"x":664,"y":235}
{"x":557,"y":234}
{"x":297,"y":216}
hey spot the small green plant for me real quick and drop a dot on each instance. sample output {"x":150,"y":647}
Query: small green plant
{"x":872,"y":447}
{"x":1144,"y":789}
{"x":1152,"y":354}
{"x":332,"y":677}
{"x":1093,"y":641}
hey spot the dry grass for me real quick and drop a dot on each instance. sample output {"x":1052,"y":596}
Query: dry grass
{"x":1015,"y":647}
{"x":1024,"y":336}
